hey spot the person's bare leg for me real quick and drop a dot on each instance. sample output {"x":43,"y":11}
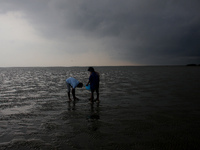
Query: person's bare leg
{"x":92,"y":96}
{"x":97,"y":91}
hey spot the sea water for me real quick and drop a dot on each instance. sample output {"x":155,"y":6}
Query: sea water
{"x":140,"y":108}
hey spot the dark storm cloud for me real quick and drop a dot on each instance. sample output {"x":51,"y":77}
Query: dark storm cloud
{"x":140,"y":31}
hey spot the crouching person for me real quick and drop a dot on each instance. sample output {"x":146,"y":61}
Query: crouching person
{"x":73,"y":83}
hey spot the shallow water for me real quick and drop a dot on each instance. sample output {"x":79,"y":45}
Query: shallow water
{"x":140,"y":108}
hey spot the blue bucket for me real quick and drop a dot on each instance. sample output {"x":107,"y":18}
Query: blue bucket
{"x":88,"y":87}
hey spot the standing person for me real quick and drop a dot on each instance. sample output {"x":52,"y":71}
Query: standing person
{"x":94,"y":83}
{"x":72,"y":82}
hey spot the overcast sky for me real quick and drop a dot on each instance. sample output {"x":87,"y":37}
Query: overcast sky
{"x":99,"y":32}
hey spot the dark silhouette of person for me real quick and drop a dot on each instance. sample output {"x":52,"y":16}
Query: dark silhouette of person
{"x":94,"y":83}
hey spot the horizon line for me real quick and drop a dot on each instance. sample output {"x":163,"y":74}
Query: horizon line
{"x":89,"y":66}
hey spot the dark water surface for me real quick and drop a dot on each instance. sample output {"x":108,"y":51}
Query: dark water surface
{"x":141,"y":108}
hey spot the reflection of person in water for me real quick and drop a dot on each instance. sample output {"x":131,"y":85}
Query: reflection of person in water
{"x":93,"y":118}
{"x":71,"y":107}
{"x":72,"y":82}
{"x":94,"y":83}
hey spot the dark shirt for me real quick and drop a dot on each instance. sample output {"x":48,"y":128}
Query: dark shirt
{"x":94,"y":81}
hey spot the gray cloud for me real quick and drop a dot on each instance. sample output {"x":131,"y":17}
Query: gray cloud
{"x":142,"y":32}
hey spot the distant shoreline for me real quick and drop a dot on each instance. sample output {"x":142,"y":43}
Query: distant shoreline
{"x":102,"y":66}
{"x":193,"y":65}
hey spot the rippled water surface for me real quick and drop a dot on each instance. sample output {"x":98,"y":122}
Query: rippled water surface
{"x":140,"y":108}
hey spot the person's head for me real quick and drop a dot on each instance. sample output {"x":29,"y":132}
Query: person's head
{"x":91,"y":69}
{"x":80,"y":85}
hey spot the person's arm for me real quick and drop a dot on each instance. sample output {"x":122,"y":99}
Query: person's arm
{"x":88,"y":83}
{"x":89,"y":80}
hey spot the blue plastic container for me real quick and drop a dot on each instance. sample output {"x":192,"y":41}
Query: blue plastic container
{"x":88,"y":87}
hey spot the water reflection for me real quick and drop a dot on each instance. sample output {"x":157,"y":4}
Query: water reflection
{"x":71,"y":105}
{"x":93,"y":117}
